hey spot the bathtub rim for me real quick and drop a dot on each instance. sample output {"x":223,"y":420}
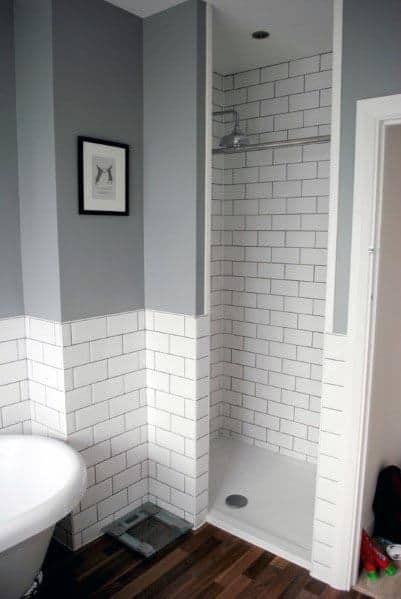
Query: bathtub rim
{"x":42,"y":515}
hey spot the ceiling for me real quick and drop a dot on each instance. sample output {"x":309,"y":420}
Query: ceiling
{"x":297,"y":28}
{"x":145,"y":8}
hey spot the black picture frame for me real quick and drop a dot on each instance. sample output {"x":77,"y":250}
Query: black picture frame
{"x":81,"y":181}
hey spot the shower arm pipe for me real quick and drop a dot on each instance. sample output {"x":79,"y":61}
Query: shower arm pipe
{"x":303,"y":141}
{"x":231,"y":111}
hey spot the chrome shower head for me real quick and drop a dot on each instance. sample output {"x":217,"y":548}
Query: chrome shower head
{"x":236,"y":139}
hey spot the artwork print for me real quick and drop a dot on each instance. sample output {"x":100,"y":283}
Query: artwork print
{"x":102,"y":177}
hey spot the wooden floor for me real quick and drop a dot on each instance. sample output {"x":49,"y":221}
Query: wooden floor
{"x":206,"y":564}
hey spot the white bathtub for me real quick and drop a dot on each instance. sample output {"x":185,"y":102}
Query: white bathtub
{"x":41,"y":481}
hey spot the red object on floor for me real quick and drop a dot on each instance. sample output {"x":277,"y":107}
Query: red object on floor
{"x":372,"y":557}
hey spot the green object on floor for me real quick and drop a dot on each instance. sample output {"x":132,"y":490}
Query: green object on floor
{"x":390,"y":570}
{"x":372,"y":575}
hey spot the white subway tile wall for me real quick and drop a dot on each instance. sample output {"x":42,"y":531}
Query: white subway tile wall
{"x":330,"y":481}
{"x":269,"y":238}
{"x":133,"y":402}
{"x":15,"y":414}
{"x":87,"y":384}
{"x":217,"y":380}
{"x":178,"y":412}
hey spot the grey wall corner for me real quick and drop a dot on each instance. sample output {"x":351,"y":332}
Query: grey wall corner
{"x":11,"y":293}
{"x":371,"y":67}
{"x":98,"y":93}
{"x":174,"y":117}
{"x":36,"y":158}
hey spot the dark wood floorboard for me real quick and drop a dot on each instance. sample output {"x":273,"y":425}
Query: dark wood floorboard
{"x":206,"y":564}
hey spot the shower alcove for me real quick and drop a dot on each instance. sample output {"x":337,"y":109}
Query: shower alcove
{"x":268,"y":243}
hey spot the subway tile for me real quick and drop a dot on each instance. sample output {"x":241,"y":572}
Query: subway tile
{"x":247,"y":78}
{"x":273,"y":173}
{"x":170,"y":441}
{"x":124,"y":364}
{"x":13,"y":372}
{"x":12,"y":328}
{"x":303,"y":66}
{"x":157,"y":341}
{"x":271,"y":238}
{"x":302,"y":132}
{"x":41,"y":330}
{"x":294,"y":398}
{"x":295,"y":429}
{"x":169,"y":323}
{"x":9,"y":394}
{"x":300,"y":239}
{"x":274,"y":106}
{"x":107,"y":389}
{"x":287,"y":189}
{"x":318,"y":80}
{"x":88,"y":330}
{"x":259,"y":190}
{"x":133,"y":341}
{"x":125,"y":441}
{"x":275,"y":72}
{"x":292,"y":85}
{"x":291,"y":120}
{"x":317,"y":116}
{"x":304,"y":101}
{"x":108,"y":428}
{"x":301,"y":205}
{"x":280,"y":439}
{"x":320,"y":151}
{"x":235,"y":96}
{"x":259,"y":125}
{"x":112,"y":504}
{"x":127,"y":478}
{"x":102,"y":349}
{"x":98,"y":456}
{"x":325,"y":97}
{"x":259,"y":158}
{"x":118,"y":324}
{"x":305,"y":170}
{"x":260,"y":92}
{"x":91,"y":415}
{"x":15,"y":413}
{"x":254,"y":431}
{"x":287,"y":155}
{"x":8,"y":351}
{"x":97,"y":493}
{"x":89,"y":373}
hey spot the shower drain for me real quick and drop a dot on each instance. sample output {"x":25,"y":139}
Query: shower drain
{"x":236,"y":501}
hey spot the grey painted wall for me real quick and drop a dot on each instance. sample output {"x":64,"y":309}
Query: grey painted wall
{"x":11,"y":297}
{"x":174,"y":109}
{"x":37,"y":180}
{"x":371,"y":66}
{"x":97,"y":92}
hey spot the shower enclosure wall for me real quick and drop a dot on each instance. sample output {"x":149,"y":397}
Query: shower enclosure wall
{"x":268,"y":264}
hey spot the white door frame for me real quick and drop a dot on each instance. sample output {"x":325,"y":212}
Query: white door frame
{"x":373,"y":116}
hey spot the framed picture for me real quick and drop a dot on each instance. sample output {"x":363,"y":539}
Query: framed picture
{"x":102,"y":176}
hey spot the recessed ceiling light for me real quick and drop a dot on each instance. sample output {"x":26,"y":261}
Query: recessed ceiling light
{"x":260,"y":35}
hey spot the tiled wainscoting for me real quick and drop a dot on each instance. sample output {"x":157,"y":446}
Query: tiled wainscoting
{"x":15,"y":414}
{"x":269,"y":238}
{"x":177,"y":384}
{"x":327,"y":547}
{"x":108,"y":386}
